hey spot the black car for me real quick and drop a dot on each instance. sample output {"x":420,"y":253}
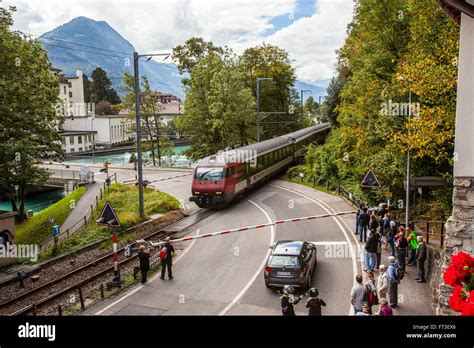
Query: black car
{"x":290,"y":263}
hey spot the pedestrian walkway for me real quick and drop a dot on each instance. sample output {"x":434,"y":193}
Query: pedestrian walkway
{"x":82,"y":207}
{"x":414,"y":298}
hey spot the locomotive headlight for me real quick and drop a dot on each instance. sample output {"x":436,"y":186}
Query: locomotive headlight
{"x":196,"y":193}
{"x":218,"y":193}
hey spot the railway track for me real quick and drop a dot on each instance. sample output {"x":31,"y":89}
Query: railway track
{"x":47,"y":295}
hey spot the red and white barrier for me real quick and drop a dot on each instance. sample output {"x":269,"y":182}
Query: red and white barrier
{"x":172,"y":177}
{"x":241,"y":229}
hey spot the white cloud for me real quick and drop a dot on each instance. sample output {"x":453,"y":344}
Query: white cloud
{"x":160,"y":25}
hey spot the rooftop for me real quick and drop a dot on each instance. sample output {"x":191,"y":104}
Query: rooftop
{"x":286,"y":247}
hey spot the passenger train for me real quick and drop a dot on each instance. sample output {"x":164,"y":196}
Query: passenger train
{"x":222,"y":178}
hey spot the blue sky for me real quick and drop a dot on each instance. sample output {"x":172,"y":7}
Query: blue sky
{"x":310,"y":30}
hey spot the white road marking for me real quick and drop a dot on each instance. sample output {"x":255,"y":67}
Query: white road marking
{"x":138,"y":288}
{"x":260,"y":268}
{"x":329,"y":243}
{"x":353,"y":255}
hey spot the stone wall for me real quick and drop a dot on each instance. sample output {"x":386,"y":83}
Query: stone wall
{"x":459,"y":237}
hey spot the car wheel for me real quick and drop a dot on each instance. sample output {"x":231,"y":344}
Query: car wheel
{"x":268,"y":286}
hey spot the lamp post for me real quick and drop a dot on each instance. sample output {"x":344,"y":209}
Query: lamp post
{"x":136,"y":57}
{"x":258,"y":104}
{"x":407,"y":197}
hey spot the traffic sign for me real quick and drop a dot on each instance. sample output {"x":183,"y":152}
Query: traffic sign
{"x":55,"y":230}
{"x":370,"y":180}
{"x":108,"y":217}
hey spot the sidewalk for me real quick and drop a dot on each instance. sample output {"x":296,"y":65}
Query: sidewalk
{"x":414,"y":298}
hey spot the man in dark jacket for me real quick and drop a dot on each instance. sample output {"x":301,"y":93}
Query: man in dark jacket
{"x":421,"y":258}
{"x":371,"y":250}
{"x":167,"y":259}
{"x":144,"y":257}
{"x":314,"y":303}
{"x":363,"y":225}
{"x":288,"y":300}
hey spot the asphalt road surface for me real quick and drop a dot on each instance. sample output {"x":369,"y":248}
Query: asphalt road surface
{"x":224,"y":275}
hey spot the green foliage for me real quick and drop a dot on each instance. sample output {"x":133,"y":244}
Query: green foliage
{"x":219,"y":107}
{"x":28,"y":118}
{"x":393,"y":48}
{"x":37,"y":229}
{"x":124,"y":200}
{"x":101,"y":88}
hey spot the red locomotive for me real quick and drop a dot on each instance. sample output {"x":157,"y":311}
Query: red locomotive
{"x":222,"y":178}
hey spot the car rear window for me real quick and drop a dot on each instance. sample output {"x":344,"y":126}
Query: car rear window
{"x":283,"y":260}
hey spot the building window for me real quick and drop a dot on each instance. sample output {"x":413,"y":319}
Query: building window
{"x":65,"y":92}
{"x":79,"y":139}
{"x":80,"y":149}
{"x":72,"y":150}
{"x":70,"y":94}
{"x":71,"y":140}
{"x":69,"y":84}
{"x":63,"y":140}
{"x":89,"y":137}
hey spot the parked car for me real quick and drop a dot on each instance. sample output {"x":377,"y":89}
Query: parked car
{"x":290,"y":263}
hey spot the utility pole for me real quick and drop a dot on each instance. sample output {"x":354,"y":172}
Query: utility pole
{"x":136,"y":57}
{"x":303,"y":91}
{"x":258,"y":104}
{"x":407,"y":210}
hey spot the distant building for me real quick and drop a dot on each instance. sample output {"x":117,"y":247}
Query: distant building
{"x":71,"y":93}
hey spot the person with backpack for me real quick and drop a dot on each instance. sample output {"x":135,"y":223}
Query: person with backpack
{"x":373,"y":224}
{"x":363,"y":225}
{"x":314,"y":303}
{"x":371,"y":291}
{"x":166,"y":257}
{"x":412,"y":246}
{"x":421,"y":258}
{"x":401,"y":245}
{"x":359,"y":211}
{"x":371,"y":251}
{"x":393,"y":280}
{"x":288,"y":300}
{"x":144,"y":257}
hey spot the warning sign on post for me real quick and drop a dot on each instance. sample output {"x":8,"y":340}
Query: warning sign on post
{"x":108,"y":217}
{"x":370,"y":180}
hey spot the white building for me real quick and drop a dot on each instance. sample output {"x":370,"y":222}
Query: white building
{"x":105,"y":130}
{"x":77,"y":141}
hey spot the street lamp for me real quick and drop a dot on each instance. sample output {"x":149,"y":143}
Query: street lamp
{"x":258,"y":104}
{"x":136,"y":57}
{"x":407,"y":197}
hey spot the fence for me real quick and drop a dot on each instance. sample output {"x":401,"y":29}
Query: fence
{"x":82,"y":222}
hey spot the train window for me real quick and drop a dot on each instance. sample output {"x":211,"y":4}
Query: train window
{"x":209,"y":173}
{"x":229,"y":172}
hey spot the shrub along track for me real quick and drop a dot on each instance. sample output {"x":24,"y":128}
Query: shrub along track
{"x":96,"y":267}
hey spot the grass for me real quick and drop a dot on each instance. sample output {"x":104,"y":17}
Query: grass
{"x":124,"y":200}
{"x":38,"y":228}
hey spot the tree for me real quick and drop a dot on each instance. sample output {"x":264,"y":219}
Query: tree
{"x":28,"y":118}
{"x":219,"y":106}
{"x":87,"y":88}
{"x":152,"y":126}
{"x":189,"y":54}
{"x":101,"y":88}
{"x":310,"y":106}
{"x":277,"y":95}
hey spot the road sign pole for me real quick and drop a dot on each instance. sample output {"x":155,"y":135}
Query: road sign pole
{"x":139,"y":136}
{"x":114,"y":244}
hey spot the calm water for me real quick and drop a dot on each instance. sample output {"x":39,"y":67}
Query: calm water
{"x":37,"y":201}
{"x":176,"y":160}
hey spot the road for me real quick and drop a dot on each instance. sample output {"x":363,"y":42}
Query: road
{"x":223,"y":275}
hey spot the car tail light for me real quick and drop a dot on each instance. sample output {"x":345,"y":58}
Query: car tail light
{"x":267,"y":270}
{"x":299,"y":271}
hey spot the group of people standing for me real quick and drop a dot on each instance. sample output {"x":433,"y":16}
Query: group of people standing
{"x":379,"y":230}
